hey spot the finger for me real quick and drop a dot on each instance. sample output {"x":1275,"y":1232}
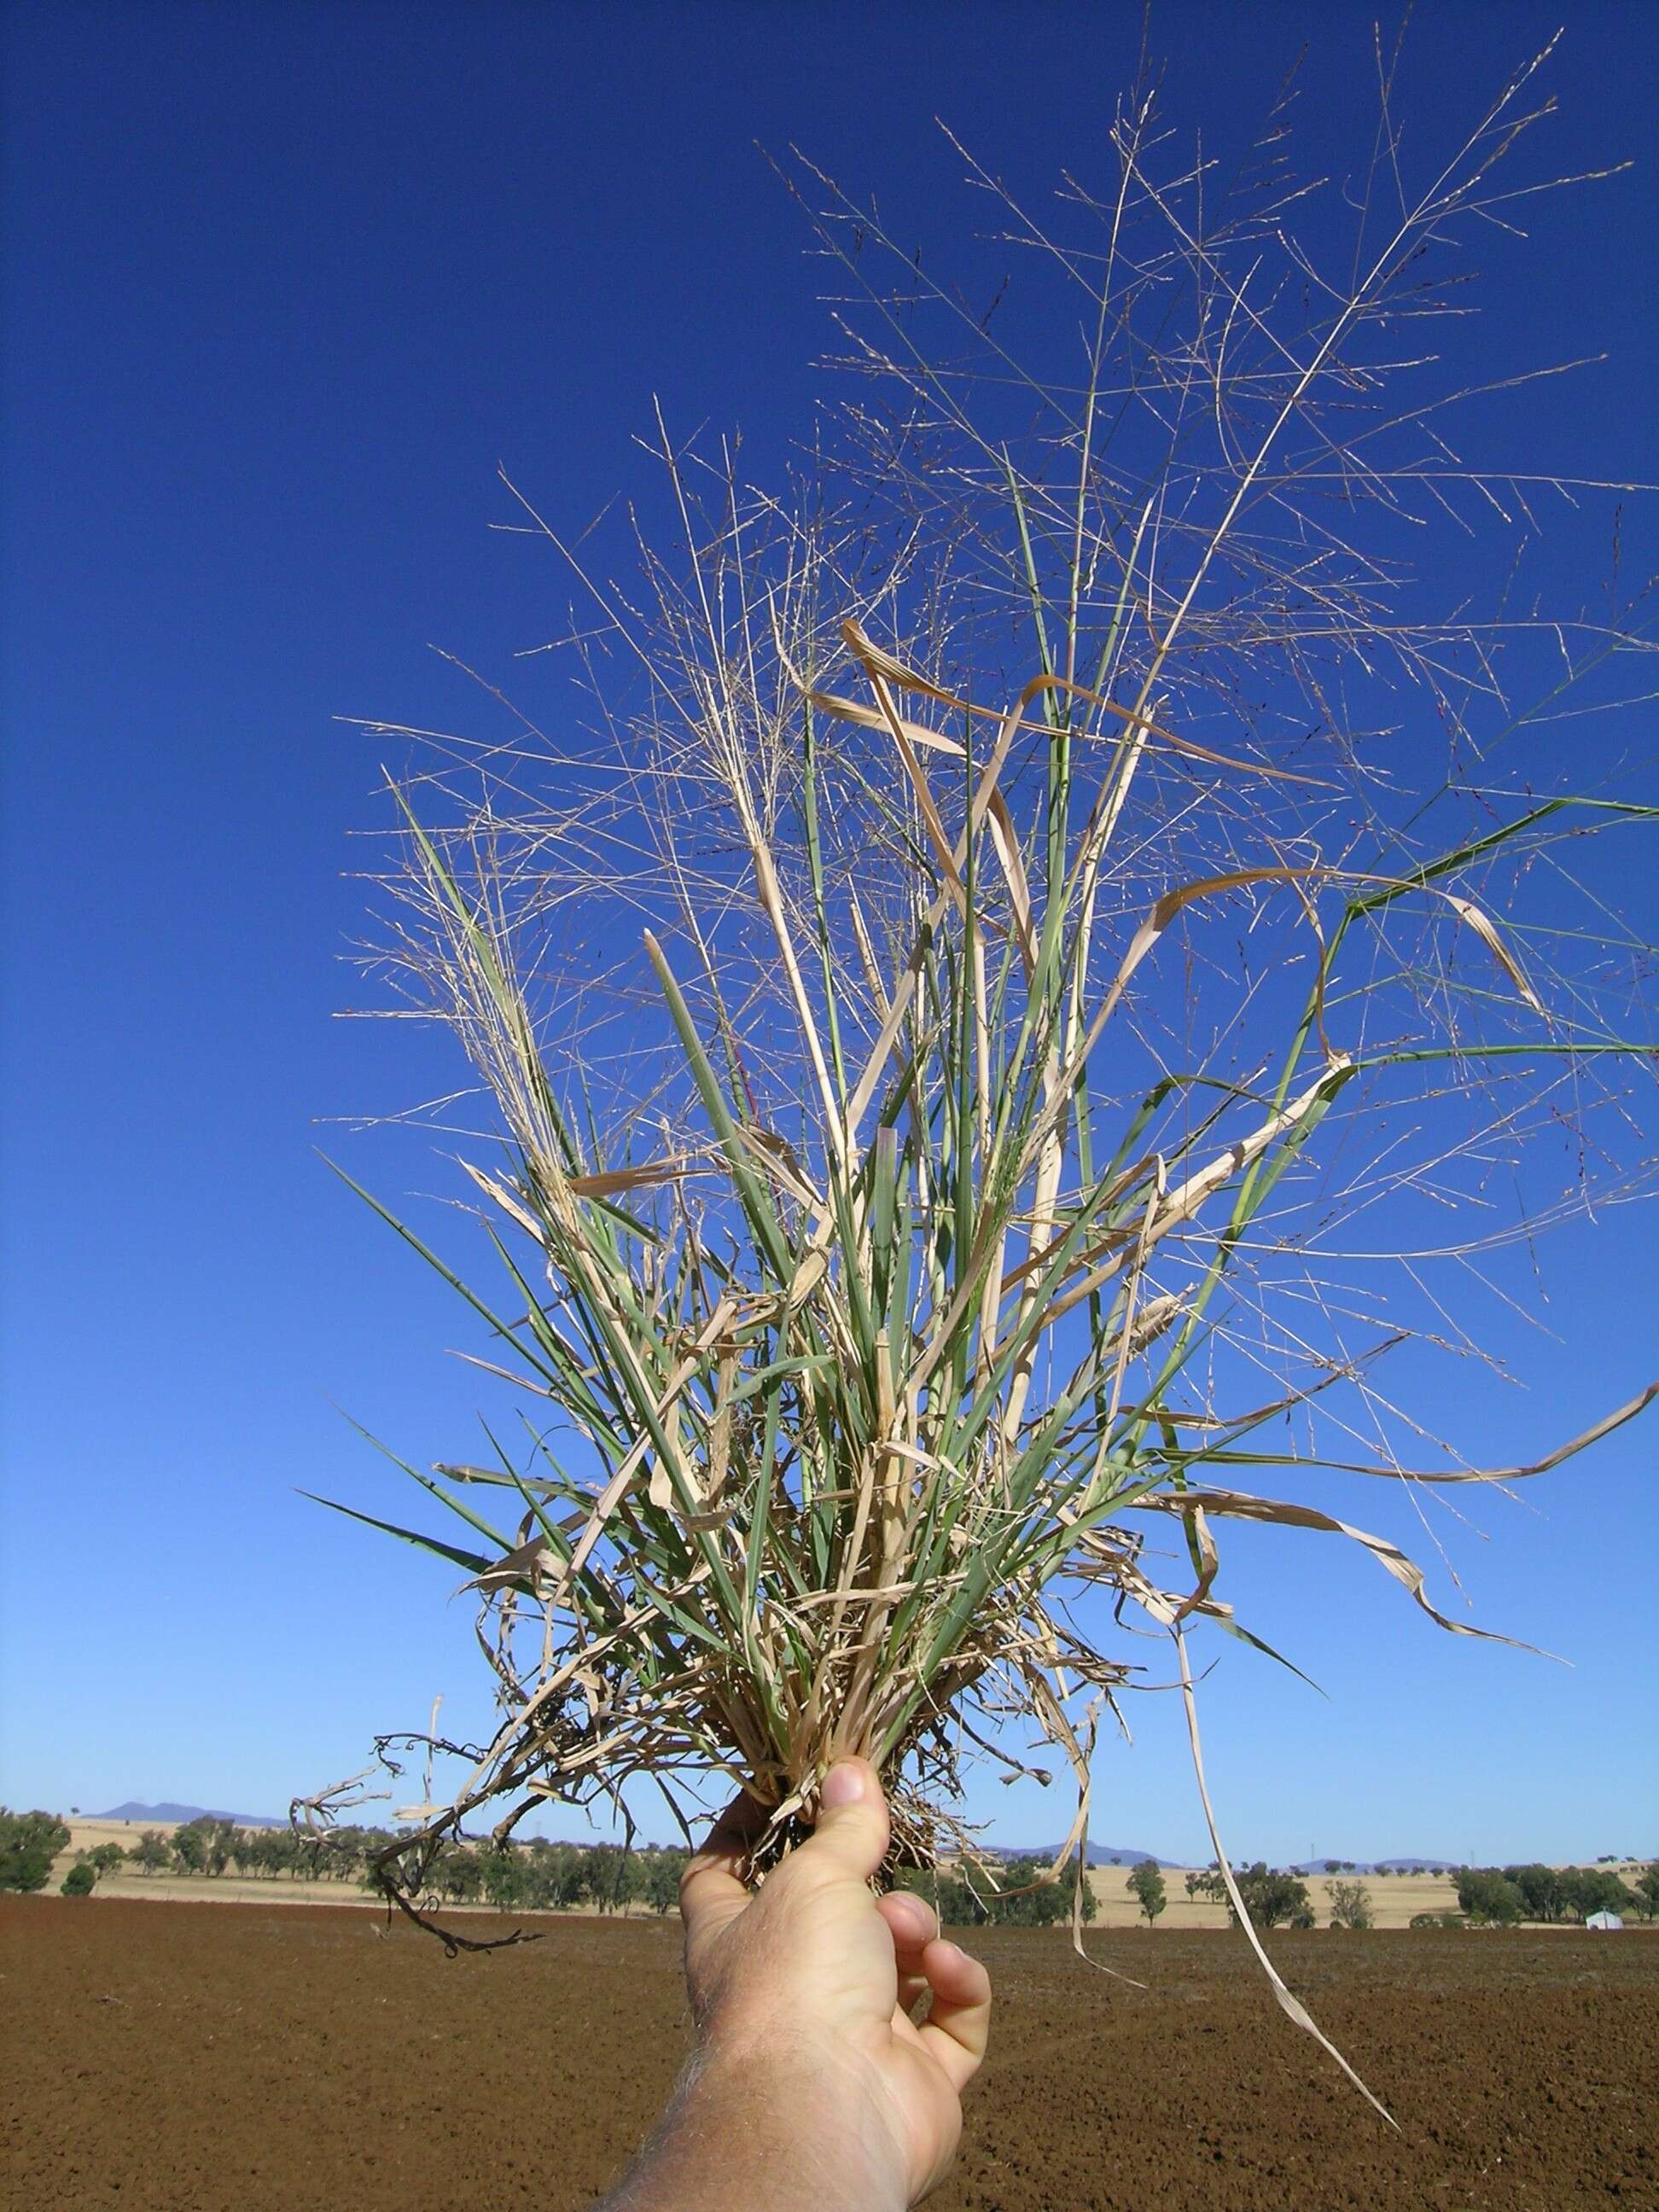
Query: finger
{"x":958,"y":2027}
{"x":711,"y":1888}
{"x":914,"y":1923}
{"x":851,"y":1835}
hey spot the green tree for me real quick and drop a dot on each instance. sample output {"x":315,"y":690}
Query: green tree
{"x":567,"y":1876}
{"x":565,"y":1873}
{"x":1044,"y":1905}
{"x":613,"y":1877}
{"x":504,"y":1882}
{"x":1270,"y":1896}
{"x":1040,"y":1907}
{"x":956,"y":1902}
{"x":663,"y":1870}
{"x":1647,"y":1892}
{"x":541,"y":1875}
{"x":1148,"y":1883}
{"x":1012,"y":1897}
{"x":457,"y":1877}
{"x":151,"y":1853}
{"x":30,"y":1842}
{"x":960,"y":1903}
{"x":190,"y":1846}
{"x":1350,"y":1904}
{"x":104,"y":1858}
{"x":342,"y":1854}
{"x":1490,"y":1898}
{"x":279,"y":1852}
{"x":1598,"y":1889}
{"x":1543,"y":1892}
{"x":79,"y":1880}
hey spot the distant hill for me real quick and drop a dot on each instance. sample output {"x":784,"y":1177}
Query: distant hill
{"x":172,"y":1816}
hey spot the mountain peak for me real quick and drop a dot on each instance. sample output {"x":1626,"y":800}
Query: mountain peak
{"x":167,"y":1815}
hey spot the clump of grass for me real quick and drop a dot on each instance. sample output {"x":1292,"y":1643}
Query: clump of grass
{"x":937,"y":1019}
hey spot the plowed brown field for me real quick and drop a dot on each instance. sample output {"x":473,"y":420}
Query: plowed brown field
{"x":165,"y":2058}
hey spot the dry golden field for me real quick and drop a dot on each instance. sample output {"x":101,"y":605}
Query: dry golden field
{"x":1394,"y":1898}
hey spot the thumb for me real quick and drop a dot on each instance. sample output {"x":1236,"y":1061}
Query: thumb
{"x":853,"y":1829}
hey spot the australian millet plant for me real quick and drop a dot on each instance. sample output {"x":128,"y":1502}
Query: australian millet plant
{"x":1035,"y":917}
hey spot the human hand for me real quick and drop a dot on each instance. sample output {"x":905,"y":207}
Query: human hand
{"x":811,"y":2084}
{"x":816,"y":1975}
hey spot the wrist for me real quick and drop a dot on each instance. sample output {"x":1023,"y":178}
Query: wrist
{"x":816,"y":2120}
{"x":753,"y":2120}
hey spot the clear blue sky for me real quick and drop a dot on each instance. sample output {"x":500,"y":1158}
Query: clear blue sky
{"x":282,"y":286}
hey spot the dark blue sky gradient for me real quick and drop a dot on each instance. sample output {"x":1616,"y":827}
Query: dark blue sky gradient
{"x":282,"y":286}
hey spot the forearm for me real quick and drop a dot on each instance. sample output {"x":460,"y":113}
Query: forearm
{"x":740,"y":2135}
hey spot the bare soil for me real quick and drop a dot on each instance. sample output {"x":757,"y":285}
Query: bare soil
{"x":165,"y":2059}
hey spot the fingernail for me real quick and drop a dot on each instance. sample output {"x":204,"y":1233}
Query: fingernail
{"x":842,"y":1785}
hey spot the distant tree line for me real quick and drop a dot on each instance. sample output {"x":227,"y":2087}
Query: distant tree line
{"x":532,"y":1876}
{"x":1500,"y":1897}
{"x":1383,"y":1867}
{"x":983,"y":1902}
{"x":538,"y":1876}
{"x":210,"y":1847}
{"x":535,"y":1876}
